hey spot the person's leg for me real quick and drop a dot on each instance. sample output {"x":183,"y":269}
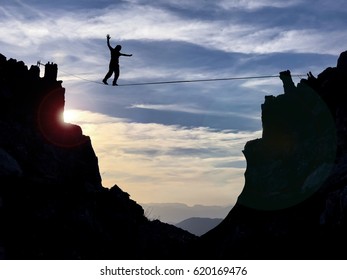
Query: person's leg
{"x":116,"y":75}
{"x":108,"y":75}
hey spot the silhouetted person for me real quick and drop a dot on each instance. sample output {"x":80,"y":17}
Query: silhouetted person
{"x":114,"y":62}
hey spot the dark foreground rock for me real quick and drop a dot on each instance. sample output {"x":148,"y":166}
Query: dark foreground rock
{"x":52,"y":202}
{"x":294,"y":202}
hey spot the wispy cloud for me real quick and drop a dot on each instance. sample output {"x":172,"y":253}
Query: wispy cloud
{"x":192,"y":109}
{"x":256,"y":4}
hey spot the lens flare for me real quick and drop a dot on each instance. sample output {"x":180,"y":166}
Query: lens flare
{"x":70,"y":116}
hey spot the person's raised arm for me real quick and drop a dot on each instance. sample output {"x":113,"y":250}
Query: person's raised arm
{"x":108,"y":41}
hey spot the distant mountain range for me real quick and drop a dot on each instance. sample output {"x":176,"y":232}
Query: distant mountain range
{"x":198,"y":226}
{"x":174,"y":213}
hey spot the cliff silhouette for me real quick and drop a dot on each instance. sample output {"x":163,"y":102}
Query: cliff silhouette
{"x":294,"y":202}
{"x":52,"y":202}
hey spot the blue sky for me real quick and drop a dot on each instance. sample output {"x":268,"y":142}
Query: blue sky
{"x":180,"y":142}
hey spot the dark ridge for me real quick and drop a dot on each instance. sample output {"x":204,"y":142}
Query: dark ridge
{"x":198,"y":225}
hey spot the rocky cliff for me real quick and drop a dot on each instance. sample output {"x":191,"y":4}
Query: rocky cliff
{"x":294,"y":202}
{"x":52,"y":202}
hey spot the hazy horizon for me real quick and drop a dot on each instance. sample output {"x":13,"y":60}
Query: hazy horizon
{"x":174,"y":213}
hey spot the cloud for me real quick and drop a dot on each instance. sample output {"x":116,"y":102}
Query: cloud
{"x":192,"y":109}
{"x":256,"y":4}
{"x":217,"y":6}
{"x":155,"y":162}
{"x":146,"y":22}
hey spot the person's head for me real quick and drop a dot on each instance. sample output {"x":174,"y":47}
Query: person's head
{"x":118,"y":48}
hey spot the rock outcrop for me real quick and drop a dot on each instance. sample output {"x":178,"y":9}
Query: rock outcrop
{"x":294,"y":202}
{"x":52,"y":202}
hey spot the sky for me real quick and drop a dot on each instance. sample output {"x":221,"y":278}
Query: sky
{"x":174,"y":143}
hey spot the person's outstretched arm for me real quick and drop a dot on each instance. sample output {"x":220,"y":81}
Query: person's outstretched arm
{"x":108,"y":41}
{"x":124,"y":54}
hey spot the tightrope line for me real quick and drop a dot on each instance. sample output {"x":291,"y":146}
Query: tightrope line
{"x":185,"y":81}
{"x":198,"y":80}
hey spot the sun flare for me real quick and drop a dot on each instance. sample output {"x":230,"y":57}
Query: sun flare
{"x":70,"y":116}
